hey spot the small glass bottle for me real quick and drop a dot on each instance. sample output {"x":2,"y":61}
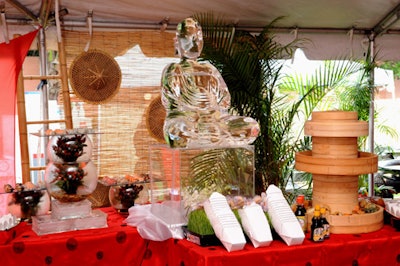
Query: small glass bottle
{"x":325,"y":224}
{"x":317,"y":228}
{"x":300,"y":212}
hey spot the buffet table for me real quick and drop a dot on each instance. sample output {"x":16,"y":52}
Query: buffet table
{"x":119,"y":244}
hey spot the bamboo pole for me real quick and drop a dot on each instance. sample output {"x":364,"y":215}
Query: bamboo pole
{"x":63,"y":70}
{"x":42,"y":122}
{"x":40,"y":77}
{"x":23,"y":130}
{"x":64,"y":86}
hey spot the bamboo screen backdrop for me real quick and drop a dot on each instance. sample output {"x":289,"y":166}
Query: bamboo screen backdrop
{"x":123,"y":145}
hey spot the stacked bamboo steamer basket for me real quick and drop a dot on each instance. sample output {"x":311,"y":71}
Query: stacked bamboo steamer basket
{"x":336,"y":163}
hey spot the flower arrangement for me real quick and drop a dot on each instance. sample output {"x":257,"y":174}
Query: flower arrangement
{"x":127,"y":194}
{"x":29,"y":201}
{"x":27,"y":197}
{"x":69,"y":177}
{"x":70,"y":148}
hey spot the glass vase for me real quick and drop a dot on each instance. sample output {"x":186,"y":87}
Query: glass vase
{"x":72,"y":181}
{"x":124,"y":196}
{"x":28,"y":203}
{"x":70,"y":148}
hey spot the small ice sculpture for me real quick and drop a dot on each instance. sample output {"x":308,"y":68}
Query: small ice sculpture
{"x":197,"y":99}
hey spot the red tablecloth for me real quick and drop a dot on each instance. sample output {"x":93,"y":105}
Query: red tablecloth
{"x":381,"y":248}
{"x":120,"y":244}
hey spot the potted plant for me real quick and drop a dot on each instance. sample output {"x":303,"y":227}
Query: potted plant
{"x":199,"y":229}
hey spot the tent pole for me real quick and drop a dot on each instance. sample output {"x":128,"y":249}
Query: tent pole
{"x":371,"y":182}
{"x":43,"y":72}
{"x":380,"y":28}
{"x":44,"y":87}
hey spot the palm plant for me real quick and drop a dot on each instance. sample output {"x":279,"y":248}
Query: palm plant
{"x":310,"y":91}
{"x":251,"y":67}
{"x":356,"y":96}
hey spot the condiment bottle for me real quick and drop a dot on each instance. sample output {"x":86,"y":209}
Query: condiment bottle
{"x":317,"y":228}
{"x":325,"y":223}
{"x":300,"y":212}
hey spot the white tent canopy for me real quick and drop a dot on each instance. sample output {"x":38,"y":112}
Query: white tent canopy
{"x":334,"y":28}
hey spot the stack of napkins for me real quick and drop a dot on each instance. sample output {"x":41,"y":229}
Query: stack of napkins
{"x":224,"y":222}
{"x":8,"y":221}
{"x":283,"y":219}
{"x":392,"y":206}
{"x":256,"y":225}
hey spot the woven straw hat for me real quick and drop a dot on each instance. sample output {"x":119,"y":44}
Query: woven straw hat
{"x":95,"y":76}
{"x":155,"y":117}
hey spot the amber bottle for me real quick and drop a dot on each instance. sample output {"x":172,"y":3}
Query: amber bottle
{"x":317,"y":229}
{"x":300,"y":212}
{"x":325,"y":223}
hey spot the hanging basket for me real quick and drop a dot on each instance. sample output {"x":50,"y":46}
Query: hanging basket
{"x":155,"y":117}
{"x":95,"y":76}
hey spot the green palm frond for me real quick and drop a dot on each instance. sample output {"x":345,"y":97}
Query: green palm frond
{"x":228,"y":170}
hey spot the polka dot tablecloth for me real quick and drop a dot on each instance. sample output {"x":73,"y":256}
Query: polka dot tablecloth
{"x":119,"y":244}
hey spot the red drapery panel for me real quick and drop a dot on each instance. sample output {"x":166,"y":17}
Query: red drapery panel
{"x":12,"y":55}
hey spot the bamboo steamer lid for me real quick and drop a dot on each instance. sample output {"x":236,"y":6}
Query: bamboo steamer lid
{"x":334,"y":115}
{"x":364,"y":163}
{"x":335,"y":124}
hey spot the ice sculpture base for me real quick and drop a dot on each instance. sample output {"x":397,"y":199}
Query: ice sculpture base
{"x":63,"y":210}
{"x":69,"y":217}
{"x":172,"y":213}
{"x":173,"y":175}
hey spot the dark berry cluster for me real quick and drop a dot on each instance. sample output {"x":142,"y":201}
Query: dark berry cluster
{"x":69,"y":178}
{"x":128,"y":194}
{"x":70,"y":148}
{"x":27,"y":199}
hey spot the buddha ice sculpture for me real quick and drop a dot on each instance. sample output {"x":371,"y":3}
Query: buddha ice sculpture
{"x":197,"y":99}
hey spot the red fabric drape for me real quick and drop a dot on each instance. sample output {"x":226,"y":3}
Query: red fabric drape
{"x":12,"y":55}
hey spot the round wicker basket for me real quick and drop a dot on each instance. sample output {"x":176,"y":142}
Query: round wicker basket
{"x":95,"y":76}
{"x":155,"y":117}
